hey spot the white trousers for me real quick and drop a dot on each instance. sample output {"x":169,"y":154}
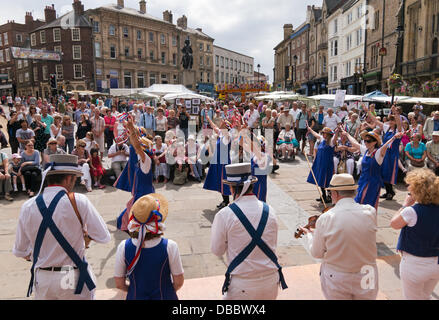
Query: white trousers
{"x":264,"y":287}
{"x":419,"y":276}
{"x":54,"y":285}
{"x":86,"y":175}
{"x":349,"y":165}
{"x":338,"y":285}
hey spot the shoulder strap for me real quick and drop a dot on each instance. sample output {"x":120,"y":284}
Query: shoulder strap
{"x":72,"y":199}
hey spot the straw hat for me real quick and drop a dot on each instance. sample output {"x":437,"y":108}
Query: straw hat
{"x":63,"y":164}
{"x":371,"y":134}
{"x":238,"y":173}
{"x":145,"y":207}
{"x":145,"y":143}
{"x":342,"y":182}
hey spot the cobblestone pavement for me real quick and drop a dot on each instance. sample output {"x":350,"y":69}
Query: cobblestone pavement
{"x":192,"y":211}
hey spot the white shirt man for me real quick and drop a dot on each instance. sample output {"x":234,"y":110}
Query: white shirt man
{"x":51,"y":285}
{"x":345,"y":239}
{"x":294,"y":111}
{"x":118,"y":153}
{"x":252,"y":117}
{"x":331,"y":120}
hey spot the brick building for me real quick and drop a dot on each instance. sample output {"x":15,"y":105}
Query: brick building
{"x":14,"y":34}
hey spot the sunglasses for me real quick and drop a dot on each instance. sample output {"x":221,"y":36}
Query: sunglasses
{"x":369,"y":141}
{"x":52,"y":143}
{"x":82,"y":145}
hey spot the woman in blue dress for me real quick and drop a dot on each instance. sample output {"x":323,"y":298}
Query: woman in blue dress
{"x":221,"y":158}
{"x":323,"y":166}
{"x":151,"y":262}
{"x":137,"y":175}
{"x":390,"y":163}
{"x":371,"y":180}
{"x":261,"y":167}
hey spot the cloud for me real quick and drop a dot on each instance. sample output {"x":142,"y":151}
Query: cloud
{"x":250,"y":27}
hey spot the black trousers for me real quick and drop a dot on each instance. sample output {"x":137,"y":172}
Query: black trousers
{"x":31,"y":177}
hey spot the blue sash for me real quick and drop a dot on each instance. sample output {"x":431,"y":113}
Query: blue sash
{"x":48,"y":223}
{"x":256,"y":241}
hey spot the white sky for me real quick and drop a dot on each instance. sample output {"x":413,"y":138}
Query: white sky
{"x":251,"y":27}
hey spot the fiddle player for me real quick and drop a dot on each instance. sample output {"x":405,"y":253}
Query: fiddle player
{"x":345,"y":239}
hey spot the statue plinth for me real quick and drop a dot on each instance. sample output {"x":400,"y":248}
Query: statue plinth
{"x":189,"y":79}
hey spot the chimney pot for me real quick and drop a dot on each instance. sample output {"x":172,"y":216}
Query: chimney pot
{"x":120,"y":3}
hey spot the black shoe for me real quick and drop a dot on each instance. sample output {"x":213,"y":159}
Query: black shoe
{"x":319,"y":199}
{"x":384,"y":196}
{"x":390,"y":196}
{"x":222,"y":205}
{"x":275,"y":167}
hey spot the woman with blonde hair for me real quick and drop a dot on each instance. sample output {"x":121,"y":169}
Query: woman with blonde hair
{"x":55,"y":128}
{"x":418,"y":241}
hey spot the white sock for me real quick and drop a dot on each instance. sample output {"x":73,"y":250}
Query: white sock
{"x":15,"y":187}
{"x":24,"y":187}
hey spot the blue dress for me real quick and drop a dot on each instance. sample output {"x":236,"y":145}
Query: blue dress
{"x":132,"y":179}
{"x":323,"y":166}
{"x":390,"y":162}
{"x":370,"y":182}
{"x":151,"y":278}
{"x":217,"y":169}
{"x":260,"y":187}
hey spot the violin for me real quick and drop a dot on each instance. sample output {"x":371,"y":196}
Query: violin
{"x":311,"y":223}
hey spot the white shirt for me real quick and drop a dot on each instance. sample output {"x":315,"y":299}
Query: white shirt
{"x":409,"y":215}
{"x":331,"y":122}
{"x":252,"y":118}
{"x":145,"y":166}
{"x":378,"y":157}
{"x":120,"y":268}
{"x":229,"y":236}
{"x":120,"y":157}
{"x":345,"y":236}
{"x":51,"y":253}
{"x":294,"y":113}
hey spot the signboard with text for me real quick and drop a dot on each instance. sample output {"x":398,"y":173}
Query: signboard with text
{"x":32,"y":54}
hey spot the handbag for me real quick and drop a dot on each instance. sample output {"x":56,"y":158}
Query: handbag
{"x":417,"y":164}
{"x":87,"y":238}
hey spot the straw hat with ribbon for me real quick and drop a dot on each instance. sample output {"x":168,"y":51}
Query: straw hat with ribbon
{"x":240,"y":174}
{"x":327,"y":130}
{"x":147,"y":215}
{"x":342,"y":182}
{"x":66,"y":164}
{"x":371,"y":134}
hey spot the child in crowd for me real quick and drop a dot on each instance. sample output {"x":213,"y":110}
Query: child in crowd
{"x":15,"y":172}
{"x":96,"y":169}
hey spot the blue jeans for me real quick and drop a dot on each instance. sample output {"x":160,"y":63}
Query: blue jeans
{"x":71,"y":144}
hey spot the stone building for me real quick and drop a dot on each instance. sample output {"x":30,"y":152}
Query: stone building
{"x":231,"y":66}
{"x":318,"y":50}
{"x":352,"y":46}
{"x":18,"y":72}
{"x":283,"y":62}
{"x":135,"y":50}
{"x":70,"y":35}
{"x":381,"y":44}
{"x":421,"y":42}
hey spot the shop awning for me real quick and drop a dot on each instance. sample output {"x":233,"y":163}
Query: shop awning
{"x":372,"y":75}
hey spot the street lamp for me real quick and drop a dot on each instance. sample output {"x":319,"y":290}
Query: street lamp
{"x":295,"y":70}
{"x":400,"y":32}
{"x":258,"y":76}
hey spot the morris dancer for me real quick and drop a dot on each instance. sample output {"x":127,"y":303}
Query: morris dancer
{"x":62,"y":249}
{"x":217,"y":172}
{"x":238,"y":229}
{"x":323,"y":166}
{"x":147,"y":259}
{"x":390,"y":162}
{"x":371,"y":180}
{"x":137,"y":176}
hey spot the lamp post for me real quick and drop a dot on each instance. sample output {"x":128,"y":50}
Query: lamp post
{"x":295,"y":70}
{"x":258,"y":76}
{"x":400,"y":31}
